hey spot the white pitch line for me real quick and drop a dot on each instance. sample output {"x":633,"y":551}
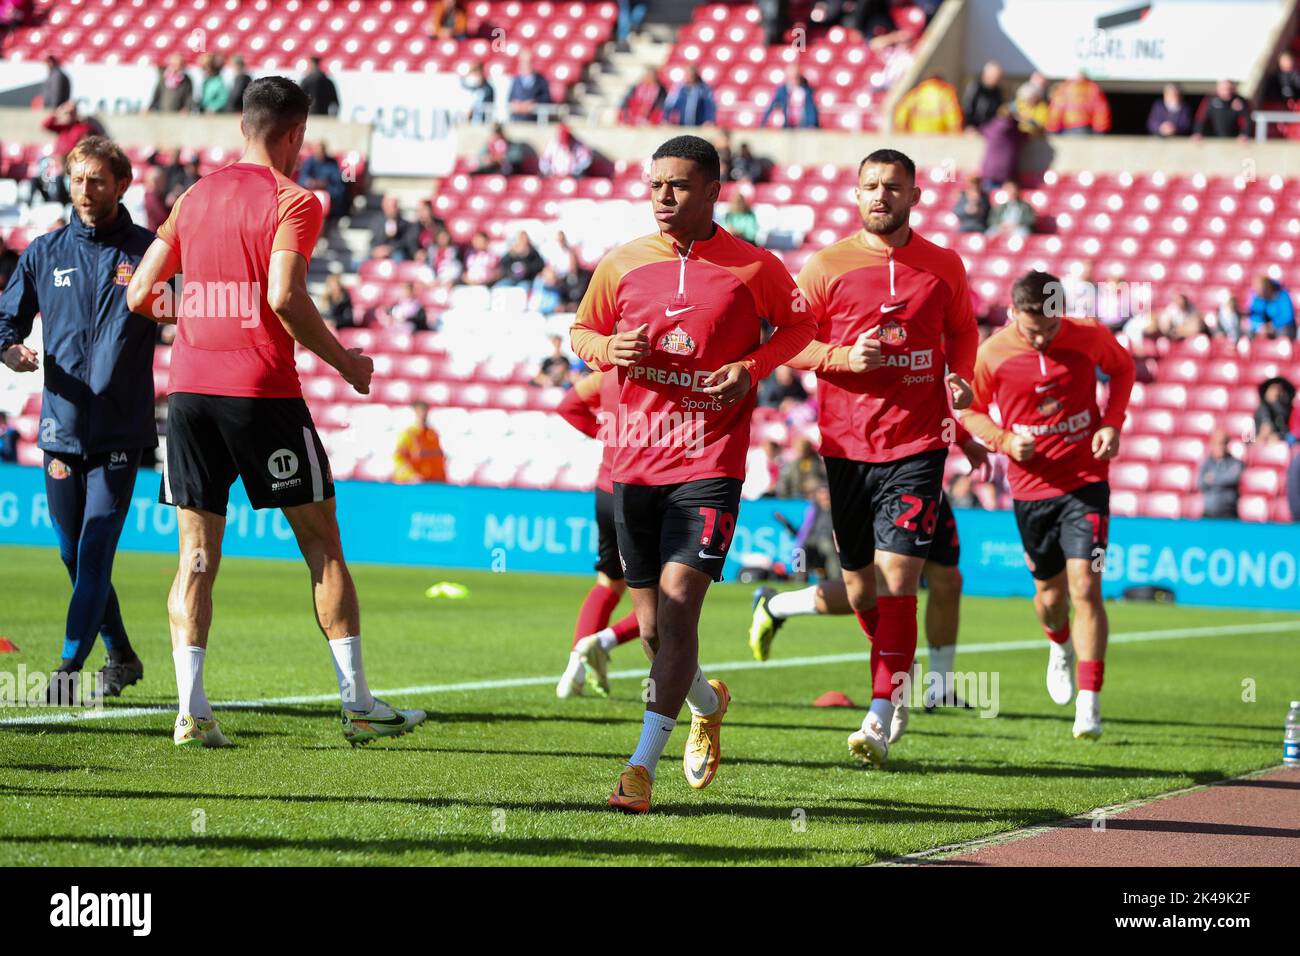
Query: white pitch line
{"x":991,"y":647}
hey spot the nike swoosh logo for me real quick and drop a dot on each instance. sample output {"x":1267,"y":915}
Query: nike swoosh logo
{"x":671,"y":312}
{"x":1045,"y":388}
{"x":924,"y":543}
{"x":394,"y":721}
{"x":711,"y":557}
{"x":59,"y":273}
{"x":892,"y":308}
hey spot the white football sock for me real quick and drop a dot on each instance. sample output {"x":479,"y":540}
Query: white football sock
{"x":607,"y":639}
{"x":1087,"y":700}
{"x":351,"y":674}
{"x":793,"y":603}
{"x":575,"y":672}
{"x":701,"y":698}
{"x":655,"y":731}
{"x":940,"y":661}
{"x":189,"y":682}
{"x":883,"y":708}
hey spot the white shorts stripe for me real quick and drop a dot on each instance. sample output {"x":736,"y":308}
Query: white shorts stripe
{"x":317,"y":482}
{"x":167,"y":482}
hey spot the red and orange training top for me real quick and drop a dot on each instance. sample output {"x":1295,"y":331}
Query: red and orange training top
{"x":705,"y":308}
{"x":917,"y":302}
{"x":1052,"y":396}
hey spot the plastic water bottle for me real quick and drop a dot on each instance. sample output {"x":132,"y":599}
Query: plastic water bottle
{"x":1291,"y":740}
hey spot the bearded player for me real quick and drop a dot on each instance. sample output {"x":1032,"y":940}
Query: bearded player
{"x":590,"y":407}
{"x":943,"y":578}
{"x":1041,"y":372}
{"x":679,"y":314}
{"x":895,"y":344}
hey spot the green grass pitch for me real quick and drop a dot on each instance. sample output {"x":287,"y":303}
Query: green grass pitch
{"x":509,"y":775}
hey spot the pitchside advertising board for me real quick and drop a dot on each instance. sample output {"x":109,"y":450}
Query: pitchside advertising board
{"x":412,"y":115}
{"x":1157,"y":41}
{"x":1215,"y":563}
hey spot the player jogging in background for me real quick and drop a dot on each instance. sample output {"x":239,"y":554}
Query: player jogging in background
{"x":896,"y":343}
{"x":773,"y":608}
{"x":97,"y":404}
{"x":1041,"y":372}
{"x":679,"y":313}
{"x":243,"y":237}
{"x":586,"y":406}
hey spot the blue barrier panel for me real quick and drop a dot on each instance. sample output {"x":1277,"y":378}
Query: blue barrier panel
{"x":1218,"y":563}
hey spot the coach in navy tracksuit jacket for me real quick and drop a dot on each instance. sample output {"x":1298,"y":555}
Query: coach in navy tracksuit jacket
{"x":97,"y":408}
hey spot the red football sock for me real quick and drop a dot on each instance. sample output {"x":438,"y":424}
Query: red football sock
{"x":1091,"y":674}
{"x":1058,"y":637}
{"x":596,"y":609}
{"x":893,"y":648}
{"x":870,"y":622}
{"x":627,"y":629}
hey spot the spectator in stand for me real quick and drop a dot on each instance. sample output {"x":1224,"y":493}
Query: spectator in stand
{"x":69,"y":127}
{"x":13,"y":14}
{"x":1272,"y":313}
{"x":1003,"y":138}
{"x":1227,"y":319}
{"x":1273,"y":417}
{"x":961,"y":493}
{"x":983,"y":96}
{"x":1220,"y":479}
{"x":1284,"y":85}
{"x":418,"y":456}
{"x":1180,"y":320}
{"x":556,"y":368}
{"x":324,"y":94}
{"x":630,"y":17}
{"x":1223,"y":115}
{"x":546,"y":293}
{"x":444,"y":260}
{"x":1014,"y":217}
{"x":1170,"y":115}
{"x":1030,"y":109}
{"x":8,"y":441}
{"x":691,"y":102}
{"x":816,"y":534}
{"x":782,"y":388}
{"x":805,"y":466}
{"x":336,"y":303}
{"x":481,"y":265}
{"x":931,"y":107}
{"x":521,"y":264}
{"x":174,"y":92}
{"x":57,"y":88}
{"x":528,"y":90}
{"x":1293,"y":486}
{"x":1078,"y":107}
{"x":394,"y":236}
{"x":722,"y":143}
{"x":320,"y":170}
{"x":213,"y":95}
{"x":407,"y":313}
{"x":746,"y":167}
{"x":643,"y":103}
{"x":447,"y":20}
{"x":796,"y":101}
{"x":498,"y":154}
{"x":239,"y":80}
{"x":483,"y":97}
{"x":972,"y":208}
{"x":429,"y":225}
{"x":740,"y":219}
{"x":564,"y":156}
{"x":182,"y":173}
{"x":156,"y":207}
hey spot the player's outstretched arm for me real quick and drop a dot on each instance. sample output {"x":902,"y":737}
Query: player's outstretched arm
{"x":18,"y":307}
{"x":286,"y":294}
{"x":149,"y":294}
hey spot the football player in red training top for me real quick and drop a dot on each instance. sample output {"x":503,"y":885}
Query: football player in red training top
{"x":680,"y":314}
{"x":895,"y":344}
{"x":588,"y":406}
{"x":1041,"y":372}
{"x":243,"y":237}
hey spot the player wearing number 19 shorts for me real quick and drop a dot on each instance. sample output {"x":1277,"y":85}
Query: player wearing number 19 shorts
{"x":896,"y":342}
{"x":1041,"y":372}
{"x":679,"y":314}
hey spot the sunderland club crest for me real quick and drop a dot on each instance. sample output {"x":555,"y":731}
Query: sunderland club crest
{"x":891,"y":333}
{"x":677,"y":342}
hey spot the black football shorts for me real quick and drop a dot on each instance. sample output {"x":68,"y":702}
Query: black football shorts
{"x":689,"y":523}
{"x":890,"y":505}
{"x":607,"y":562}
{"x":1072,"y":525}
